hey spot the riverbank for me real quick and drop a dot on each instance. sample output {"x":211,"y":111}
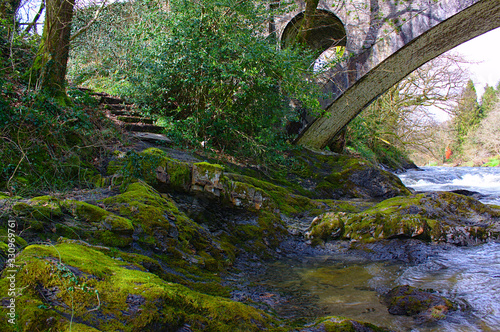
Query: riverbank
{"x":159,"y":244}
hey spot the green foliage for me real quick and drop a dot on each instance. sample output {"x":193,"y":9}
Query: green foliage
{"x":373,"y":134}
{"x":467,"y":115}
{"x":207,"y":69}
{"x":97,"y":54}
{"x":489,"y":99}
{"x":493,"y":162}
{"x":45,"y":146}
{"x":17,"y":52}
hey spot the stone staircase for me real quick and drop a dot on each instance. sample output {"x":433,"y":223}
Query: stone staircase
{"x":127,"y":117}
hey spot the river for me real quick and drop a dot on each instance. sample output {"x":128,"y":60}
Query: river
{"x":346,"y":284}
{"x":483,"y":180}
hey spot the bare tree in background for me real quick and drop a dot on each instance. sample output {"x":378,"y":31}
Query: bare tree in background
{"x":404,"y":116}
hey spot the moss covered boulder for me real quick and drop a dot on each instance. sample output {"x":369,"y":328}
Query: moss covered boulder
{"x":320,"y":176}
{"x":47,"y":217}
{"x":161,"y":227}
{"x":73,"y":287}
{"x":437,"y":216}
{"x":335,"y":176}
{"x":411,"y":301}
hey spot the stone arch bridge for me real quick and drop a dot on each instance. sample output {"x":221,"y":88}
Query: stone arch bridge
{"x":385,"y":40}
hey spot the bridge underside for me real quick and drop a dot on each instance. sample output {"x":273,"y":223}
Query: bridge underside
{"x":328,"y":31}
{"x":471,"y":22}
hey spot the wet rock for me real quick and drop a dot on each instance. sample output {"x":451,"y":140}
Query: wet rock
{"x":437,"y":216}
{"x":404,"y":250}
{"x":410,"y":301}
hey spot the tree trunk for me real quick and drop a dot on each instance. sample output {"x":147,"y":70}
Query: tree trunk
{"x":53,"y":55}
{"x":308,"y":22}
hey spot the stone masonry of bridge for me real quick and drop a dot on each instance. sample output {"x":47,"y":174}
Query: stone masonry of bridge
{"x":373,"y":31}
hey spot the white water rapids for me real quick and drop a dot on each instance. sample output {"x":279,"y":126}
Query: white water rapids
{"x":483,"y":180}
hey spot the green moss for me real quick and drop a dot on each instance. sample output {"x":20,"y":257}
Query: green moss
{"x":207,"y":168}
{"x":162,"y":226}
{"x":157,"y":169}
{"x":110,"y":295}
{"x":342,"y":324}
{"x":154,"y":152}
{"x":43,"y":208}
{"x":277,"y":197}
{"x":329,"y":226}
{"x":110,"y":229}
{"x":114,"y":166}
{"x":433,"y":216}
{"x":3,"y":248}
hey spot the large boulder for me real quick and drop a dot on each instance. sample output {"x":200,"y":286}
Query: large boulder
{"x":335,"y":176}
{"x":438,"y":217}
{"x":411,"y":301}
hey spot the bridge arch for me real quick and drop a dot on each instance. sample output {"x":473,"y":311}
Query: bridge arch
{"x":480,"y":17}
{"x":328,"y":40}
{"x":328,"y":31}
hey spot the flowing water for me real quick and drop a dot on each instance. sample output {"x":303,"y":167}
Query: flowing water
{"x":484,"y":180}
{"x":348,"y":285}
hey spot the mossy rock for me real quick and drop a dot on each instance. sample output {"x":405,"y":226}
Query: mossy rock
{"x":328,"y":226}
{"x":162,"y":227}
{"x":337,"y":176}
{"x":361,"y":180}
{"x":367,"y":227}
{"x":342,"y":324}
{"x":411,"y":301}
{"x":46,"y":218}
{"x":43,"y":208}
{"x":210,"y":181}
{"x":439,"y":216}
{"x":94,"y":222}
{"x":70,"y":282}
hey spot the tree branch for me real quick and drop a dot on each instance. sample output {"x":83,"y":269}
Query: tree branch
{"x":85,"y":28}
{"x":35,"y":19}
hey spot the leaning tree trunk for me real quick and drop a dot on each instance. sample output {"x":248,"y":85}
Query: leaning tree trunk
{"x":52,"y":59}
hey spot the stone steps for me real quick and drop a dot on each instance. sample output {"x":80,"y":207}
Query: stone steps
{"x":130,"y":119}
{"x":134,"y":119}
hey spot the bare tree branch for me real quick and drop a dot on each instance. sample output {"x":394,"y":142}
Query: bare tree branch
{"x":35,"y":19}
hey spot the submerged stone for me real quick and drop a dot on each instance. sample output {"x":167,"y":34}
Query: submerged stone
{"x":340,"y":324}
